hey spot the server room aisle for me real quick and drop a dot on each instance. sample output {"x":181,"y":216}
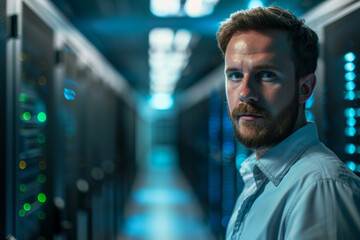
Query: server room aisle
{"x":163,"y":205}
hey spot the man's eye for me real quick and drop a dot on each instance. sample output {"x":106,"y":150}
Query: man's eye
{"x":235,"y":75}
{"x":267,"y":75}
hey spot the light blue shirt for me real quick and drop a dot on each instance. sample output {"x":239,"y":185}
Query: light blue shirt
{"x":298,"y":190}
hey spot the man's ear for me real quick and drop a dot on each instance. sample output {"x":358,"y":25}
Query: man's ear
{"x":306,"y":87}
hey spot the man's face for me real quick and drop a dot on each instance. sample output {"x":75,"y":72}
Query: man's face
{"x":262,"y":93}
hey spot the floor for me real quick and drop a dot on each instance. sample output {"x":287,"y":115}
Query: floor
{"x":163,"y":205}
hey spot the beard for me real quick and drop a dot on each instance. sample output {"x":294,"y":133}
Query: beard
{"x":272,"y":131}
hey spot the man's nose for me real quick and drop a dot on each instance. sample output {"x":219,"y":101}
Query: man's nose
{"x":247,"y":91}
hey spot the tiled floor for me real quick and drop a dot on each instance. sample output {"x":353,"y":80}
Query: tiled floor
{"x":163,"y":206}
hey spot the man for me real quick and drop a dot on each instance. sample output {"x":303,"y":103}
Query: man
{"x":295,"y":187}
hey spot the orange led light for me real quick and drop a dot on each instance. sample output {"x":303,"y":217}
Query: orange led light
{"x":22,"y":164}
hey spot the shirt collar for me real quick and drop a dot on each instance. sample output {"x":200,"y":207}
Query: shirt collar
{"x":276,"y":163}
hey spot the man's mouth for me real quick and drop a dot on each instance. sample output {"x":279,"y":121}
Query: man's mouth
{"x":249,"y":116}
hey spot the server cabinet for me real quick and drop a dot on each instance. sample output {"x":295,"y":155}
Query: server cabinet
{"x":28,"y":109}
{"x":342,"y":61}
{"x":209,"y":157}
{"x":3,"y":114}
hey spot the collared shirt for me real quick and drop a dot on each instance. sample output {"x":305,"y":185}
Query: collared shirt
{"x":298,"y":190}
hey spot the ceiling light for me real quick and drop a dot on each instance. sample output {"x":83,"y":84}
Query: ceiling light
{"x":182,"y":39}
{"x":161,"y":38}
{"x":161,"y":101}
{"x":255,"y":4}
{"x":199,"y":8}
{"x":165,"y":8}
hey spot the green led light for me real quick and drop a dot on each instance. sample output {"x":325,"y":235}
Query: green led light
{"x":41,"y":138}
{"x":23,"y":97}
{"x":27,"y":207}
{"x":41,"y":117}
{"x":23,"y":187}
{"x":41,"y":178}
{"x":42,"y":197}
{"x":25,"y":116}
{"x":22,"y":212}
{"x":41,"y":215}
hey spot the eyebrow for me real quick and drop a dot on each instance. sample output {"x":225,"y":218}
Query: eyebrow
{"x":257,"y":67}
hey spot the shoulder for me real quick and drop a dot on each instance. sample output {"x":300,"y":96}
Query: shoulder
{"x":319,"y":164}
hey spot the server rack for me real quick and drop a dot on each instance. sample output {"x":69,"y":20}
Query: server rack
{"x":209,"y":157}
{"x":342,"y":72}
{"x":70,"y":135}
{"x":3,"y":114}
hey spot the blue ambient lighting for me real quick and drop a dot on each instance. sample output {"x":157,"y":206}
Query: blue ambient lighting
{"x":349,"y":66}
{"x":309,"y":115}
{"x":350,"y":76}
{"x":351,"y":165}
{"x":162,"y":101}
{"x":349,"y":57}
{"x":350,"y":131}
{"x":161,"y":196}
{"x":162,"y":224}
{"x":350,"y":148}
{"x":240,"y":158}
{"x":225,"y":221}
{"x":255,"y":4}
{"x":228,"y":148}
{"x":310,"y":102}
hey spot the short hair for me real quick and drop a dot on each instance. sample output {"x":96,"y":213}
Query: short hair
{"x":302,"y":40}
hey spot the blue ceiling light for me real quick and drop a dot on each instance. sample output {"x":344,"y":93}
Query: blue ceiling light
{"x":179,"y":8}
{"x":199,"y":8}
{"x":162,"y":101}
{"x":255,"y":4}
{"x":165,"y":8}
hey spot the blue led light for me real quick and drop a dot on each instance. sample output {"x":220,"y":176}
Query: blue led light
{"x":349,"y":57}
{"x":350,"y":148}
{"x":349,"y":86}
{"x":351,"y":165}
{"x":350,"y":76}
{"x":350,"y":95}
{"x":349,"y":112}
{"x":350,"y":131}
{"x":357,"y":112}
{"x":351,"y":122}
{"x":349,"y":66}
{"x":69,"y":94}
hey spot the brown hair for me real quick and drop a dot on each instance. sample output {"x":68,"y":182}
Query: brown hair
{"x":302,"y":39}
